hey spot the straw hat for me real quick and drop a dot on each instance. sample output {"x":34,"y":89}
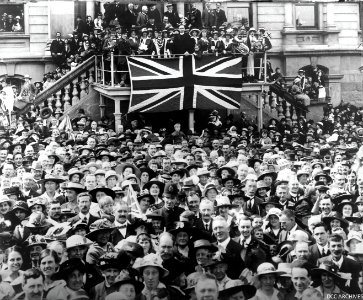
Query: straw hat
{"x":98,"y":226}
{"x":268,"y":268}
{"x":76,"y":241}
{"x":224,"y":201}
{"x":285,"y":267}
{"x":151,"y":260}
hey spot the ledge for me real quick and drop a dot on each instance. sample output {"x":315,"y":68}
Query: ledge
{"x":13,"y":35}
{"x":310,"y":31}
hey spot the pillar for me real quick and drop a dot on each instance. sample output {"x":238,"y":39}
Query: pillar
{"x":117,"y":115}
{"x":330,"y":16}
{"x":180,"y":8}
{"x":102,"y":106}
{"x":90,"y":9}
{"x":191,"y":120}
{"x":289,"y":22}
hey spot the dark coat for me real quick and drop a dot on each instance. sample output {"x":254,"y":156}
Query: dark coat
{"x":315,"y":253}
{"x":172,"y":17}
{"x":170,"y":216}
{"x":233,"y":257}
{"x":57,"y":47}
{"x":348,"y":266}
{"x":184,"y":43}
{"x":220,"y":17}
{"x":77,"y":218}
{"x":208,"y":18}
{"x":129,"y":19}
{"x":116,"y":235}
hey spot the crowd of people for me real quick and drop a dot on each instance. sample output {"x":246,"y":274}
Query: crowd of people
{"x":132,"y":32}
{"x":10,"y":23}
{"x":231,"y":213}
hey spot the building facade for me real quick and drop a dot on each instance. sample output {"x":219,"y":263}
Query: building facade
{"x":324,"y":34}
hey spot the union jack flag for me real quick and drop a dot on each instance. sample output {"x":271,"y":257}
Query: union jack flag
{"x":168,"y":84}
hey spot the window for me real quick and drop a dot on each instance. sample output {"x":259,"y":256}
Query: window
{"x":11,"y":18}
{"x":239,"y":13}
{"x":306,"y":16}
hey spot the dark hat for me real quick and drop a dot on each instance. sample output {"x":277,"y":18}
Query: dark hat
{"x":106,"y":190}
{"x":339,"y":207}
{"x":68,"y":267}
{"x":180,"y":227}
{"x":102,"y":225}
{"x":231,"y":171}
{"x":235,"y":286}
{"x":336,"y":216}
{"x":160,"y":184}
{"x":327,"y":267}
{"x":150,"y":172}
{"x":138,"y":285}
{"x":110,"y":260}
{"x":170,"y":190}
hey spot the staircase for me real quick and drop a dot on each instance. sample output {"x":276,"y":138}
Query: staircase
{"x":69,"y":92}
{"x":83,"y":87}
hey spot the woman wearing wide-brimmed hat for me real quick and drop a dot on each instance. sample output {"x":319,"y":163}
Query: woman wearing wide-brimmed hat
{"x":146,"y":174}
{"x":155,"y":189}
{"x":327,"y":280}
{"x":147,"y":265}
{"x":223,"y":206}
{"x":236,"y":289}
{"x":335,"y":221}
{"x":267,"y":275}
{"x":72,"y":272}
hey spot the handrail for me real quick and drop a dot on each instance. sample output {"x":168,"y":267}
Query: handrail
{"x":60,"y":83}
{"x":288,"y":97}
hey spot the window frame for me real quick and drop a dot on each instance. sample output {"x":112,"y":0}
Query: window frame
{"x":19,"y":4}
{"x":316,"y":16}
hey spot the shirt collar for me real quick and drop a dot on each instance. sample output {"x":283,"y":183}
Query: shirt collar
{"x":339,"y":262}
{"x":82,"y":216}
{"x":293,"y":229}
{"x":225,"y":243}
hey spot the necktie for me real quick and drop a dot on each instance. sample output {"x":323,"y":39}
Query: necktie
{"x":122,"y":226}
{"x":323,"y":252}
{"x":85,"y":220}
{"x":249,"y":205}
{"x":243,"y":243}
{"x":206,"y":227}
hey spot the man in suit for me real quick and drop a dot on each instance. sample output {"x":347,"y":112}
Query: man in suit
{"x":57,"y":50}
{"x":208,"y":16}
{"x":122,"y":223}
{"x":321,"y":248}
{"x":169,"y":211}
{"x":252,"y":202}
{"x":129,"y":17}
{"x":348,"y":268}
{"x":231,"y":248}
{"x":288,"y":225}
{"x":205,"y":222}
{"x":220,"y":15}
{"x":183,"y":42}
{"x":173,"y":17}
{"x":142,"y":18}
{"x":84,"y":205}
{"x":245,"y":239}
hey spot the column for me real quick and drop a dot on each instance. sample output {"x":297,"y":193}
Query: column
{"x":289,"y":23}
{"x":117,"y":115}
{"x":191,"y":120}
{"x":90,"y":9}
{"x":102,"y":106}
{"x":330,"y":16}
{"x":180,"y":8}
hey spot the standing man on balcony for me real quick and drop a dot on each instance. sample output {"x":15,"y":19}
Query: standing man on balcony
{"x":172,"y":15}
{"x":208,"y":17}
{"x":57,"y":49}
{"x":129,"y":17}
{"x":220,"y":15}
